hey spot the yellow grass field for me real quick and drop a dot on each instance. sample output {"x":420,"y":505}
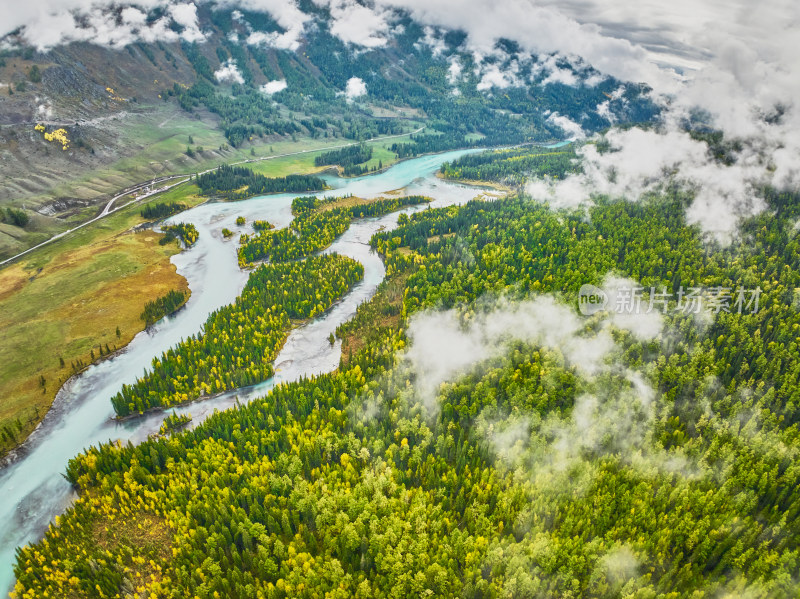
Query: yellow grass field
{"x":67,"y":300}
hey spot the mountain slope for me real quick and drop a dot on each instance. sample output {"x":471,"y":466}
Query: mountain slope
{"x":130,"y":113}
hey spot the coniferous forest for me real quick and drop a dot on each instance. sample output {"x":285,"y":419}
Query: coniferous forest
{"x":161,"y":210}
{"x":658,"y":467}
{"x":513,"y":166}
{"x":186,"y":232}
{"x":164,"y":305}
{"x":345,"y":157}
{"x":238,"y":182}
{"x":312,"y":229}
{"x":240,"y":342}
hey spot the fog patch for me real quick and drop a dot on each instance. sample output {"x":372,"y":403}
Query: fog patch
{"x":572,"y":129}
{"x":228,"y":72}
{"x":273,"y":87}
{"x":619,"y":565}
{"x":355,"y":88}
{"x":443,"y":345}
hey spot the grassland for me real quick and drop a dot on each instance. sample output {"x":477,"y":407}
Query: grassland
{"x":156,"y":144}
{"x":304,"y":163}
{"x":67,"y":299}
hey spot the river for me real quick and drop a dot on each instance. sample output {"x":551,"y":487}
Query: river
{"x":31,"y":482}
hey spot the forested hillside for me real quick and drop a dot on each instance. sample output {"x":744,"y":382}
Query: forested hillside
{"x":480,"y":438}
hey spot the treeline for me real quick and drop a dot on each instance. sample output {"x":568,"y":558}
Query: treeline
{"x":513,"y":166}
{"x":166,"y":304}
{"x":356,"y":170}
{"x":239,"y":342}
{"x":173,"y":423}
{"x":430,"y":144}
{"x":161,"y":210}
{"x":238,"y":182}
{"x":312,"y":229}
{"x":186,"y":232}
{"x":304,"y":205}
{"x":262,"y":225}
{"x":385,"y":205}
{"x":14,"y":216}
{"x":345,"y":157}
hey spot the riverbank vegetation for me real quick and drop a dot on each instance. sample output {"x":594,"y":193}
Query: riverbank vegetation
{"x":350,"y":159}
{"x":173,"y":423}
{"x":163,"y":306}
{"x":262,"y":225}
{"x":238,"y":183}
{"x":161,"y":210}
{"x":513,"y":166}
{"x":186,"y":232}
{"x":239,"y":342}
{"x":315,"y":226}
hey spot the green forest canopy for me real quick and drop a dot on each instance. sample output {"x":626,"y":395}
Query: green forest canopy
{"x":346,"y":485}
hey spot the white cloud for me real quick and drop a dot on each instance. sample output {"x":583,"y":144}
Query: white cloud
{"x":228,"y":72}
{"x":273,"y":87}
{"x":441,"y":348}
{"x":46,"y":24}
{"x":564,"y":193}
{"x":563,"y":76}
{"x":185,"y":15}
{"x":44,"y":109}
{"x":641,"y":161}
{"x":555,"y":72}
{"x":355,"y":23}
{"x":537,"y":28}
{"x":573,"y":130}
{"x":594,"y":79}
{"x":494,"y":77}
{"x":291,"y":19}
{"x":355,"y":88}
{"x":434,"y":41}
{"x":629,"y":313}
{"x":604,"y":108}
{"x":454,"y":72}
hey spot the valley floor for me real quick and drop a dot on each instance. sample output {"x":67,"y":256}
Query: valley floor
{"x":67,"y":300}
